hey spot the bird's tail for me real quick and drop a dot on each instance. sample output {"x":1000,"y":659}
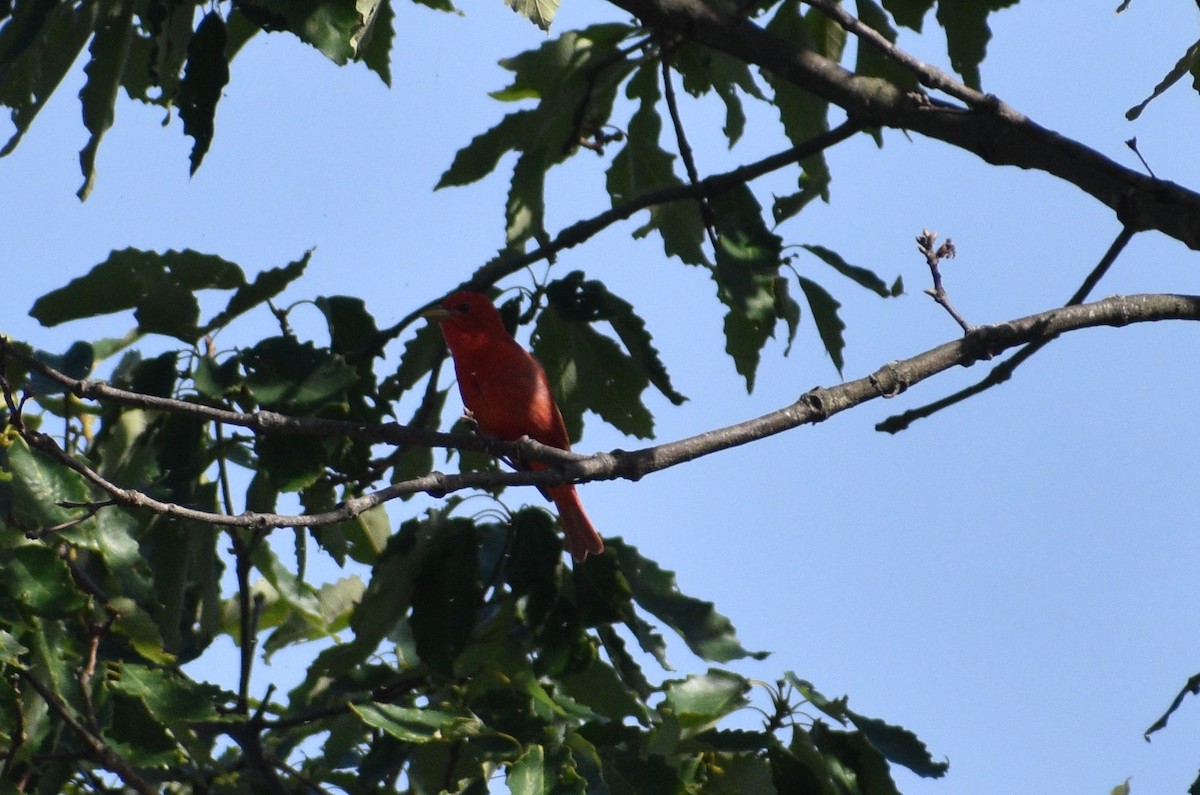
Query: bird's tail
{"x":582,"y":538}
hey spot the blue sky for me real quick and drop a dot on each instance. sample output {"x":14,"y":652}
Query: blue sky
{"x":1013,"y":579}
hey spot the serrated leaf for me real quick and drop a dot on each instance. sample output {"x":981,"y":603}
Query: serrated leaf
{"x":967,"y":34}
{"x":708,"y":634}
{"x":701,"y":700}
{"x":139,"y":628}
{"x":158,"y":286}
{"x":37,"y":579}
{"x":282,"y":371}
{"x":375,"y":47}
{"x":863,"y":276}
{"x":1185,"y":65}
{"x":479,"y":158}
{"x":899,"y":745}
{"x":419,"y":724}
{"x":705,"y":70}
{"x":748,"y":260}
{"x":109,"y":52}
{"x":38,"y":46}
{"x":564,"y":75}
{"x":170,"y":697}
{"x":873,"y":63}
{"x":446,"y":596}
{"x":591,"y":373}
{"x":528,"y":775}
{"x":802,"y":114}
{"x":539,"y":12}
{"x":909,"y":13}
{"x":38,"y":484}
{"x":824,"y":310}
{"x":858,"y":763}
{"x":589,"y":300}
{"x":204,"y":77}
{"x":266,"y":285}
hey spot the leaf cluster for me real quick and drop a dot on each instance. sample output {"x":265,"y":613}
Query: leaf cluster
{"x":442,"y":654}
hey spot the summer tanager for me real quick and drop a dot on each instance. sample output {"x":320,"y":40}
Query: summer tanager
{"x":506,"y":391}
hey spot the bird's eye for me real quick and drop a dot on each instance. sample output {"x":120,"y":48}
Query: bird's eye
{"x":464,"y":308}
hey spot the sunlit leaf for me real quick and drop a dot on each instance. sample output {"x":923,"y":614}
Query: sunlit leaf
{"x":700,"y":700}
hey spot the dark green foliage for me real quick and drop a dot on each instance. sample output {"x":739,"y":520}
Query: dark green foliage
{"x":457,"y":647}
{"x":469,"y":648}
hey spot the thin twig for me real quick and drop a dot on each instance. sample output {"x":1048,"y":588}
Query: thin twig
{"x":100,"y":750}
{"x":581,"y":231}
{"x":685,"y":150}
{"x":1004,"y":370}
{"x":933,"y":258}
{"x":929,"y":76}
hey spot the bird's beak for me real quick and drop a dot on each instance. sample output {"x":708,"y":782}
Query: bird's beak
{"x":436,"y":313}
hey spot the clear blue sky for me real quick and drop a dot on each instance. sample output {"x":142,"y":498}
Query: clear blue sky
{"x":1014,"y":579}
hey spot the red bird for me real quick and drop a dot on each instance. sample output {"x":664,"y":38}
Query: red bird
{"x":507,"y":392}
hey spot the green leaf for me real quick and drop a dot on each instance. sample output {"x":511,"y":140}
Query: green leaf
{"x":909,"y":13}
{"x":863,"y":276}
{"x":159,"y":288}
{"x":705,"y":70}
{"x":266,"y":285}
{"x":37,"y":579}
{"x":642,"y":166}
{"x":589,"y":301}
{"x":528,"y":775}
{"x":707,"y":633}
{"x":1186,"y":65}
{"x":10,"y":649}
{"x":873,"y":63}
{"x":338,"y":28}
{"x":700,"y":701}
{"x":604,"y":691}
{"x":282,"y":371}
{"x":860,"y":763}
{"x":109,"y":52}
{"x":170,"y":697}
{"x":899,"y":745}
{"x":375,"y":45}
{"x":204,"y":78}
{"x":748,"y":260}
{"x":335,"y":601}
{"x":967,"y":34}
{"x":76,"y":362}
{"x":829,"y":325}
{"x":479,"y":158}
{"x":802,"y":114}
{"x":139,"y":628}
{"x":38,"y":46}
{"x":534,"y":566}
{"x":578,"y":70}
{"x":38,"y":484}
{"x":446,"y":596}
{"x":539,"y":12}
{"x":419,"y":724}
{"x":590,"y":372}
{"x":352,"y":328}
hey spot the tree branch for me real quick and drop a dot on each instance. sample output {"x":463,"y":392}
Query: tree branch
{"x":580,"y":231}
{"x":100,"y":750}
{"x":994,"y":131}
{"x":1004,"y":370}
{"x":816,"y":405}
